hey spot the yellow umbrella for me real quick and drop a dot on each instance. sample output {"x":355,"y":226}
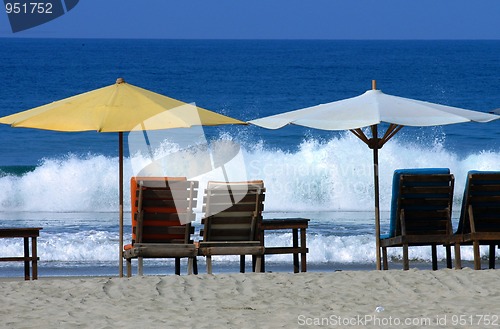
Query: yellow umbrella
{"x":120,"y":107}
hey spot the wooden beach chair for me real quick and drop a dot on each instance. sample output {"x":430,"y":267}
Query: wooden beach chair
{"x":420,"y":212}
{"x":162,"y":211}
{"x":231,"y":226}
{"x":480,"y":216}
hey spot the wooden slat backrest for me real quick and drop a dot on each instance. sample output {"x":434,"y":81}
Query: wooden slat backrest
{"x":159,"y":207}
{"x":233,"y":211}
{"x":482,"y":198}
{"x":424,"y":204}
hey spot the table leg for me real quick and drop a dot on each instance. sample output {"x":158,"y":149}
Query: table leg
{"x":26,"y":262}
{"x":303,"y":246}
{"x":434,"y":257}
{"x":295,"y":255}
{"x":35,"y":258}
{"x":262,"y":260}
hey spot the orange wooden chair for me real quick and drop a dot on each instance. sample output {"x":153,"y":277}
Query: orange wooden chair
{"x":162,"y":211}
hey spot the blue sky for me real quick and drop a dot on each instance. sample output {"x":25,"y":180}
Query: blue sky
{"x":273,"y":19}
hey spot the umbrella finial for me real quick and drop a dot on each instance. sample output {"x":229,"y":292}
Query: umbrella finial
{"x":374,"y":84}
{"x":120,"y":80}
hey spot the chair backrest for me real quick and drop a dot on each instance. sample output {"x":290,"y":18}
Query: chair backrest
{"x":162,"y":209}
{"x":482,"y":192}
{"x":233,"y":211}
{"x":425,"y":196}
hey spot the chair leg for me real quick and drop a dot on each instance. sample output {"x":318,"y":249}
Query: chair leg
{"x":195,"y":265}
{"x":406,"y":262}
{"x":242,"y":263}
{"x":209,"y":264}
{"x":140,"y":266}
{"x":492,"y":256}
{"x":384,"y":258}
{"x":258,"y":262}
{"x":448,"y":256}
{"x":477,"y":256}
{"x":177,"y":266}
{"x":434,"y":258}
{"x":458,"y":257}
{"x":129,"y":267}
{"x":190,"y":265}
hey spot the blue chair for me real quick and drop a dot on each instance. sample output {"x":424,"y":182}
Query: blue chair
{"x":420,"y":212}
{"x":480,"y":215}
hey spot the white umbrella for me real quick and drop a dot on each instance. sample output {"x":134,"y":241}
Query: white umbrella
{"x":368,"y":110}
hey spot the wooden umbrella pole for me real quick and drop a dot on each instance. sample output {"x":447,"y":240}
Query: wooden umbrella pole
{"x":376,"y":145}
{"x":377,"y":196}
{"x":120,"y":192}
{"x":377,"y":207}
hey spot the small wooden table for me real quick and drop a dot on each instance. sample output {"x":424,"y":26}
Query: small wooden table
{"x":295,"y":224}
{"x":26,"y":233}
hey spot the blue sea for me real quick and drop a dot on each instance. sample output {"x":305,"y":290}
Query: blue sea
{"x":67,"y":183}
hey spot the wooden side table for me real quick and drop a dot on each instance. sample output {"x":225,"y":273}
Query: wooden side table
{"x":26,"y":234}
{"x":295,"y":224}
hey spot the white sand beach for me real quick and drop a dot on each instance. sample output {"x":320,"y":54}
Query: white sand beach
{"x":354,"y":299}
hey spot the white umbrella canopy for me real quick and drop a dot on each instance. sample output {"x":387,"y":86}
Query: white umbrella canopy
{"x":369,"y":110}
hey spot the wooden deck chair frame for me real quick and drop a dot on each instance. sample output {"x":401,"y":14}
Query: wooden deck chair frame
{"x":231,"y":226}
{"x":156,"y":222}
{"x":479,"y":222}
{"x":423,"y":217}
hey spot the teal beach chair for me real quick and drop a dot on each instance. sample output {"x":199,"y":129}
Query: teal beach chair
{"x":420,"y":212}
{"x":480,"y":216}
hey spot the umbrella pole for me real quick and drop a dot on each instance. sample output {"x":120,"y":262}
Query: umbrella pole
{"x":376,"y":186}
{"x":120,"y":197}
{"x":377,"y":207}
{"x":375,"y":147}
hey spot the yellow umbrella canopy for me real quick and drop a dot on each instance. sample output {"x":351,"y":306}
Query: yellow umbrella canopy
{"x":116,"y":108}
{"x":120,"y":107}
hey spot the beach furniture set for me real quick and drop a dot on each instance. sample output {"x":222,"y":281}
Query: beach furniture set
{"x":421,"y":215}
{"x":162,"y":212}
{"x":122,"y":107}
{"x":421,"y":211}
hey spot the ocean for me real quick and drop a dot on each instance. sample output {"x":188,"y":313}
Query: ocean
{"x":67,"y":183}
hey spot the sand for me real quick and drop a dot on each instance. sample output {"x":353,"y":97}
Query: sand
{"x":348,"y":299}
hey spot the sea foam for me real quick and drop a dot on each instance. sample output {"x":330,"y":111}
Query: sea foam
{"x":320,"y":175}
